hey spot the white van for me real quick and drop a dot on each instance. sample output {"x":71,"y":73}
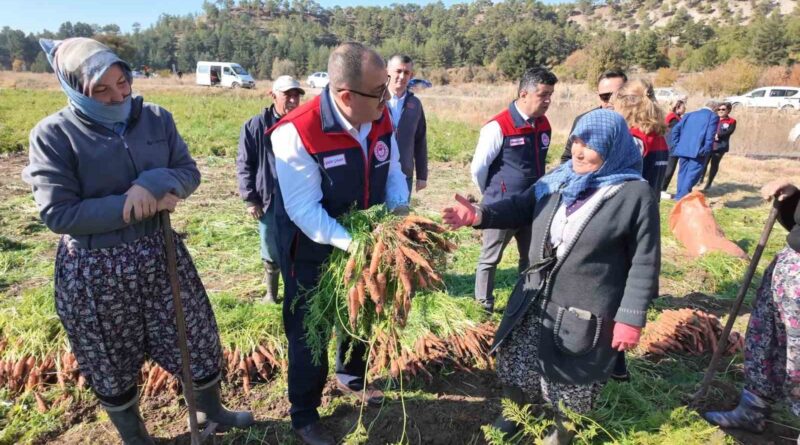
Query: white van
{"x":225,"y":74}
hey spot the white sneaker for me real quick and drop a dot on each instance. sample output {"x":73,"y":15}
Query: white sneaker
{"x":665,"y":195}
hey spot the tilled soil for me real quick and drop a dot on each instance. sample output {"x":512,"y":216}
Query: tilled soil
{"x":451,"y":409}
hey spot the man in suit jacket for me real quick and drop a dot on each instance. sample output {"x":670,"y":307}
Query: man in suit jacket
{"x":408,"y":118}
{"x":693,"y":140}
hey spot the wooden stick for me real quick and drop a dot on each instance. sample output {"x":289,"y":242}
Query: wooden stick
{"x":722,"y":343}
{"x":172,"y":269}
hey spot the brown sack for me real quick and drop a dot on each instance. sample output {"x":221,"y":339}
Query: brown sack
{"x":693,"y":224}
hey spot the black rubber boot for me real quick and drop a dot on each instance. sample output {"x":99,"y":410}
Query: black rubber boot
{"x":209,"y":408}
{"x":507,"y":426}
{"x":560,"y":435}
{"x":315,"y":434}
{"x":750,"y":415}
{"x":271,"y":274}
{"x":129,"y":424}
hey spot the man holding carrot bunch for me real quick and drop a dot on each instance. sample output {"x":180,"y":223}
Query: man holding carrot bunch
{"x":334,"y":153}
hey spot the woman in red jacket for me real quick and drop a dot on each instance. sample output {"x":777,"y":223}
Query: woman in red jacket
{"x":676,"y":111}
{"x":637,"y":104}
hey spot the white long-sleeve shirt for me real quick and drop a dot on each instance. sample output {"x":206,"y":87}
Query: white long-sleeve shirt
{"x":301,"y":182}
{"x":490,"y":142}
{"x":395,"y":105}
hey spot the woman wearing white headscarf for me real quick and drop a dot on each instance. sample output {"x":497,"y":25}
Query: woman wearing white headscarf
{"x":101,"y":169}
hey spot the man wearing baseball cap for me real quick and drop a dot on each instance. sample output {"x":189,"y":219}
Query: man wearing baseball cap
{"x":255,"y":168}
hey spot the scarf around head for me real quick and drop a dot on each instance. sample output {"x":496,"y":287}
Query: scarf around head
{"x":79,"y":63}
{"x":605,"y":132}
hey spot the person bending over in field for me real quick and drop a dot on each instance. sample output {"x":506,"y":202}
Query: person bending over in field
{"x":595,"y":261}
{"x":101,"y":169}
{"x":692,"y":140}
{"x":772,"y":342}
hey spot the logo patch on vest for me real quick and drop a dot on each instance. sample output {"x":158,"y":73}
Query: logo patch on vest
{"x":334,"y":161}
{"x":516,"y":141}
{"x":545,"y":141}
{"x":381,"y":151}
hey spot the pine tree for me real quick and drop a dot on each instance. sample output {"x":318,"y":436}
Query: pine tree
{"x":646,"y":53}
{"x":769,"y":42}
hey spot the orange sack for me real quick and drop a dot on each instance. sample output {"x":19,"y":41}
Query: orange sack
{"x":693,"y":223}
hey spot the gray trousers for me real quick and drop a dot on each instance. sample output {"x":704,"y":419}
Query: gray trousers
{"x":494,"y":243}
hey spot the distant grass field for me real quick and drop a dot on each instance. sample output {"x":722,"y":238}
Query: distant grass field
{"x":223,"y":241}
{"x":209,"y":123}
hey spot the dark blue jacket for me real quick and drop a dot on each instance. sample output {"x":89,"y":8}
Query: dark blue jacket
{"x":349,"y":179}
{"x":521,"y":160}
{"x":693,"y":136}
{"x":726,"y":128}
{"x":255,"y":161}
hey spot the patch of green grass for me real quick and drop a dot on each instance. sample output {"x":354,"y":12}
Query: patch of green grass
{"x":209,"y":123}
{"x":22,"y":423}
{"x":450,"y":141}
{"x":31,"y":325}
{"x":245,"y":324}
{"x":20,"y":110}
{"x":724,"y":273}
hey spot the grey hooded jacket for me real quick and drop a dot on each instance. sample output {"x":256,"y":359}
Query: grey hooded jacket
{"x":80,"y":172}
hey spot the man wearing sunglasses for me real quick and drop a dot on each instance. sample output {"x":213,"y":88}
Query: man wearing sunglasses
{"x":334,"y":153}
{"x":608,"y":83}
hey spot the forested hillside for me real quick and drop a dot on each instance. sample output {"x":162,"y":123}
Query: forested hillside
{"x":268,"y":36}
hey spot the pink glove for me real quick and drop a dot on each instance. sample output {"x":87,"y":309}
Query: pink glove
{"x":625,"y":336}
{"x":460,"y":215}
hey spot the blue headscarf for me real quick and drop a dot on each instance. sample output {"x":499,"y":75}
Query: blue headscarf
{"x":605,"y":132}
{"x":79,"y":63}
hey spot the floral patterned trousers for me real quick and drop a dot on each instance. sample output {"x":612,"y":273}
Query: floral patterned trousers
{"x":772,"y":343}
{"x":116,"y":305}
{"x":516,"y":366}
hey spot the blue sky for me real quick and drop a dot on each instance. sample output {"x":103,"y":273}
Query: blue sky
{"x":37,"y":15}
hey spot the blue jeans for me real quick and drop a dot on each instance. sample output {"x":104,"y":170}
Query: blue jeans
{"x":267,"y":232}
